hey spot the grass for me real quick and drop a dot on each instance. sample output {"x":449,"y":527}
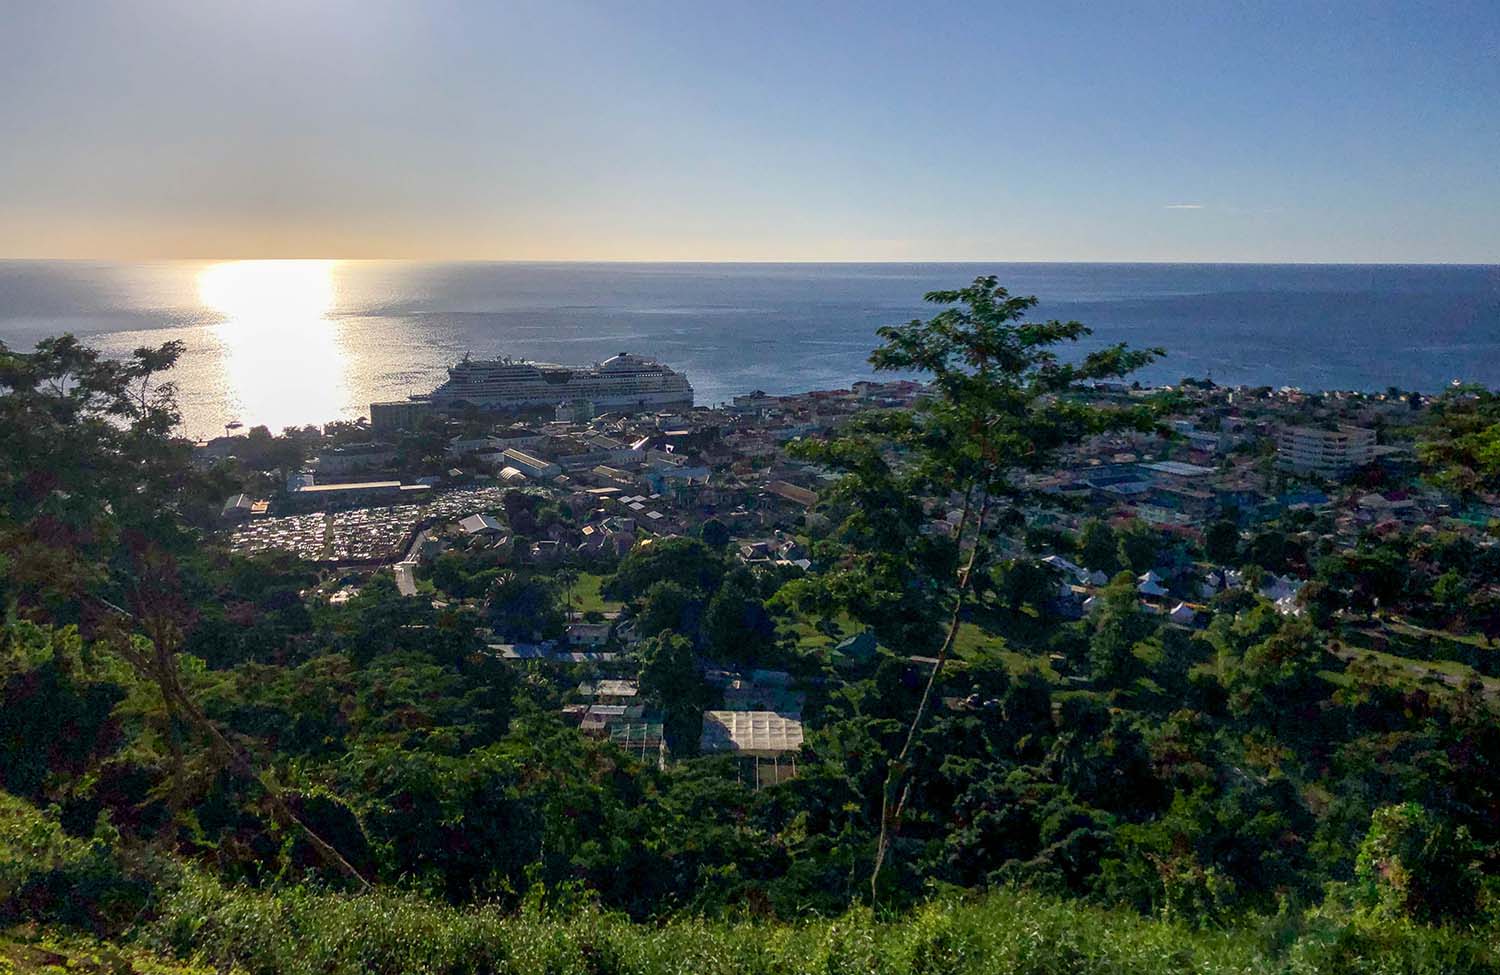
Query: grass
{"x":809,"y":639}
{"x":977,"y":642}
{"x":587,"y":597}
{"x":302,"y":932}
{"x":192,"y":923}
{"x":1412,"y":668}
{"x":990,"y":634}
{"x":997,"y":632}
{"x":1410,"y":629}
{"x":25,"y":951}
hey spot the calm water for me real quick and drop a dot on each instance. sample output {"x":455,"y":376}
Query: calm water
{"x":307,"y":341}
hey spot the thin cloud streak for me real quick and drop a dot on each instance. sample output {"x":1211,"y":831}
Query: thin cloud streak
{"x":1184,"y":206}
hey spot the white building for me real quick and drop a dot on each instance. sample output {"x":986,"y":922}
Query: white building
{"x":1327,"y":452}
{"x":769,"y":741}
{"x":533,"y":467}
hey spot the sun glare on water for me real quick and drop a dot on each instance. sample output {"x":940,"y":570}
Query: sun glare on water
{"x":283,"y":358}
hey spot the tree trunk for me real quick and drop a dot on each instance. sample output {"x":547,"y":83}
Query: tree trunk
{"x":896,"y":778}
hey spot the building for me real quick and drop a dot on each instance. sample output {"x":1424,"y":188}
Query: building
{"x":769,"y":742}
{"x":355,"y":457}
{"x":575,"y":411}
{"x":310,"y":496}
{"x":486,"y":525}
{"x":587,"y":634}
{"x":237,"y":508}
{"x":399,"y":415}
{"x":610,"y":690}
{"x":792,"y":493}
{"x":1324,"y":451}
{"x":533,"y":467}
{"x":643,"y":739}
{"x":600,"y":718}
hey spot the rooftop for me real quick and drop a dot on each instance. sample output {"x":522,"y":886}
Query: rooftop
{"x":750,"y":732}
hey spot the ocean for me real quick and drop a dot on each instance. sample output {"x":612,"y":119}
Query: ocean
{"x":297,"y":342}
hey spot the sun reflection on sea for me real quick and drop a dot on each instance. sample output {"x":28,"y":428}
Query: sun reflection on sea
{"x":282,"y":354}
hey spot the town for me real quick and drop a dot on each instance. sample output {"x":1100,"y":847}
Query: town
{"x":1237,"y":492}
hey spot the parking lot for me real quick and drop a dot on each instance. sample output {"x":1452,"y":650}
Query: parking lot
{"x":359,"y":534}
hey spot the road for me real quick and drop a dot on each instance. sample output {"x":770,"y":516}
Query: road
{"x":406,"y":579}
{"x":406,"y":582}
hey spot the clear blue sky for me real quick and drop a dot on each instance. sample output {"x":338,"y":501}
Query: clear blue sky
{"x":760,"y":131}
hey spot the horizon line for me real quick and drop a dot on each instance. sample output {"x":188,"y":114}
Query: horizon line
{"x":1495,"y":262}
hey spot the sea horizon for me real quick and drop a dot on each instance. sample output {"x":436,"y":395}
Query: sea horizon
{"x":750,"y":261}
{"x":291,"y":342}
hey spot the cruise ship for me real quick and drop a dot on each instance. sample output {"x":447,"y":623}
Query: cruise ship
{"x":621,"y":382}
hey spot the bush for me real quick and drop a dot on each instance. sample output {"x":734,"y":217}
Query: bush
{"x":49,"y":876}
{"x":1414,"y":864}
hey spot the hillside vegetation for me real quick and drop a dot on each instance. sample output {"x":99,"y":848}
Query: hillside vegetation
{"x":246,"y":762}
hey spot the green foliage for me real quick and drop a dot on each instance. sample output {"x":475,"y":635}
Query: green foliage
{"x":302,"y":931}
{"x":1024,"y":582}
{"x":1460,"y":445}
{"x":668,"y":605}
{"x":524,"y":607}
{"x":1138,"y":546}
{"x":714,"y":534}
{"x":688,"y":562}
{"x":48,"y":876}
{"x":1118,"y":624}
{"x":735,"y":623}
{"x":1221,"y":542}
{"x":1413,"y":864}
{"x":1098,"y":547}
{"x":57,"y":710}
{"x":165,"y":696}
{"x":670,"y":678}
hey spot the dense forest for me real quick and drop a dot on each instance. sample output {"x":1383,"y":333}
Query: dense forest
{"x":204,"y":758}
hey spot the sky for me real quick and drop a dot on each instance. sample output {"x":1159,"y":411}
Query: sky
{"x":798,"y":131}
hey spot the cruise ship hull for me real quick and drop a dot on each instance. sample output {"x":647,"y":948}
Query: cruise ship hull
{"x":603,"y":402}
{"x":621,"y":383}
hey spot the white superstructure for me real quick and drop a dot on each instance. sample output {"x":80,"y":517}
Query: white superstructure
{"x":621,"y":382}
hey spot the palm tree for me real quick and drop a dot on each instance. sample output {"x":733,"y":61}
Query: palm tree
{"x":567,"y":577}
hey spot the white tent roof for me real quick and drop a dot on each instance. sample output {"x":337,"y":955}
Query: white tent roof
{"x":750,"y":732}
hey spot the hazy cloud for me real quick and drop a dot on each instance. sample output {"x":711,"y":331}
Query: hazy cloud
{"x":1184,"y":206}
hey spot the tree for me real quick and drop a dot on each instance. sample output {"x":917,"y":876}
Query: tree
{"x":686,"y":561}
{"x":714,"y":534}
{"x":668,"y":605}
{"x":1098,"y":548}
{"x":1450,"y":594}
{"x":567,"y":577}
{"x":735,"y":623}
{"x":1319,"y":602}
{"x":1002,"y":402}
{"x":1277,"y":682}
{"x":670,"y":677}
{"x":1025,"y":582}
{"x":523,"y":607}
{"x":1221,"y":542}
{"x":1460,"y":446}
{"x":1119,"y":625}
{"x":95,"y":498}
{"x":1415,"y":864}
{"x":1138,"y":547}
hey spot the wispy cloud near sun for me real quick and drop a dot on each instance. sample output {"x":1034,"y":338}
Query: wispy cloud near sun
{"x":1184,"y":206}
